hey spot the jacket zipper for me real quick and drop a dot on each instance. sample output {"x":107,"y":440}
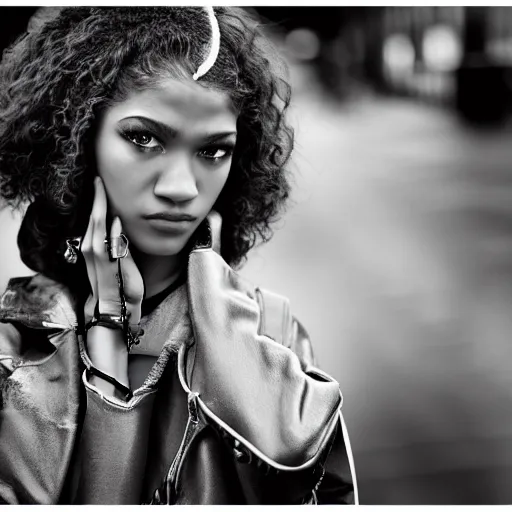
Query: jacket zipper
{"x":192,"y":422}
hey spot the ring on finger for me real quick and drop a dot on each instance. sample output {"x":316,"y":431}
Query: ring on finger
{"x":117,"y":247}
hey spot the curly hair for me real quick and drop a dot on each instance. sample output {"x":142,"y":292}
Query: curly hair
{"x":57,"y":79}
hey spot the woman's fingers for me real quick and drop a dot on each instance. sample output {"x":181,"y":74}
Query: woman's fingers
{"x":101,"y":271}
{"x":86,"y":249}
{"x":133,"y":283}
{"x":106,"y":270}
{"x":99,"y":218}
{"x":89,"y":308}
{"x":87,"y":252}
{"x":116,"y":229}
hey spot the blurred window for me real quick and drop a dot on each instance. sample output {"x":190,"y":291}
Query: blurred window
{"x":302,"y":44}
{"x":398,"y":55}
{"x":442,"y":48}
{"x":501,"y":50}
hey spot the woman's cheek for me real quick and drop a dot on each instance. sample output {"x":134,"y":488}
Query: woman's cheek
{"x":118,"y":161}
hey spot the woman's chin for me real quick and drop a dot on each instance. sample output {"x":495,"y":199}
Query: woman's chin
{"x":169,"y":247}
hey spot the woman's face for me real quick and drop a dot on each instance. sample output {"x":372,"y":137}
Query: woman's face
{"x":164,"y":155}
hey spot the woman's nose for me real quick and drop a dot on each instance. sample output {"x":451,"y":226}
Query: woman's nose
{"x":176,"y":181}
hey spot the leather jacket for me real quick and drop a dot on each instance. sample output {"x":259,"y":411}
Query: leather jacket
{"x":254,"y":421}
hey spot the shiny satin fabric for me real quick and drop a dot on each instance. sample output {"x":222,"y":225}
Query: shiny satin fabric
{"x":247,"y":422}
{"x":38,"y":423}
{"x":39,"y":391}
{"x":273,"y":406}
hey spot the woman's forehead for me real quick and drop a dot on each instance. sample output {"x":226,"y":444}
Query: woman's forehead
{"x":181,"y":103}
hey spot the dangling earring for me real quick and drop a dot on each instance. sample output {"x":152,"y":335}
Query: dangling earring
{"x":72,"y":250}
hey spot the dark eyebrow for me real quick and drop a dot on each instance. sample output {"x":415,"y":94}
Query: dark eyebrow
{"x":215,"y":137}
{"x":164,"y":130}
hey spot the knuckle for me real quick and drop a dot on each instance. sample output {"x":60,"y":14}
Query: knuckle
{"x":98,"y":220}
{"x":98,"y":251}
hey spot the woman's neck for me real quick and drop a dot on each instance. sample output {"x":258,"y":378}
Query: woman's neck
{"x":158,"y":272}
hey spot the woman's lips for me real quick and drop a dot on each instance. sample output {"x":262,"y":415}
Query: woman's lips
{"x":170,"y":222}
{"x":171,"y":217}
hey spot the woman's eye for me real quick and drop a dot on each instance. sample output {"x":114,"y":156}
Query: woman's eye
{"x":142,"y":139}
{"x":215,"y":154}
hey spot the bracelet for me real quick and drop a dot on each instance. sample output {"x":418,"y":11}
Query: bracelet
{"x":105,"y":320}
{"x":93,"y":370}
{"x":117,"y":322}
{"x":122,"y":322}
{"x":126,"y":392}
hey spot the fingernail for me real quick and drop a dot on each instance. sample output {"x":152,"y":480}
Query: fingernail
{"x":116,"y":227}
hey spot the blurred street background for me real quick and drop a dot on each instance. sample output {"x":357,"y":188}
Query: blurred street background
{"x":396,"y":250}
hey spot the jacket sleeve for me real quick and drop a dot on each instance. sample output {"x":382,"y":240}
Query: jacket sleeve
{"x":338,"y":482}
{"x":331,"y":480}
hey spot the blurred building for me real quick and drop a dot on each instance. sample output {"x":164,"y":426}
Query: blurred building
{"x":458,"y":56}
{"x":346,"y":43}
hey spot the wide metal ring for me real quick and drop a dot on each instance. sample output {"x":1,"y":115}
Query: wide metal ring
{"x":117,"y":247}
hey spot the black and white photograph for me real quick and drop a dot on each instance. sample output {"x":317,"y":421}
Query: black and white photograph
{"x":255,"y":255}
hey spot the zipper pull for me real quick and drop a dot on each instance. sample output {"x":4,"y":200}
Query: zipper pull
{"x":192,"y":407}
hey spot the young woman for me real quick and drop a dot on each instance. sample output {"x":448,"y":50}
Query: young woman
{"x":136,"y":366}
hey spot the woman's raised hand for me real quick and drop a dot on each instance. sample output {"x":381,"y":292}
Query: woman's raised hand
{"x":102,"y":272}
